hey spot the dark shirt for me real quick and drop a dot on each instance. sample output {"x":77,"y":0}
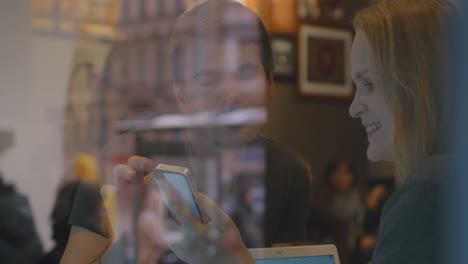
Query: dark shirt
{"x":287,"y":183}
{"x":86,"y":208}
{"x":410,"y":224}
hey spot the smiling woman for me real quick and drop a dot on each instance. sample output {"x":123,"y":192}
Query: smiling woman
{"x":396,"y":58}
{"x":397,"y":64}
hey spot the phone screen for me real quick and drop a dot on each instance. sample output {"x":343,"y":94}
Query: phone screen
{"x":180,"y":184}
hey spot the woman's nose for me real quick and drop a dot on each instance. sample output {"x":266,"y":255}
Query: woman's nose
{"x":357,"y":108}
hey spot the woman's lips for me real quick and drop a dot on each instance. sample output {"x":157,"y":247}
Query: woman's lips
{"x":372,"y":128}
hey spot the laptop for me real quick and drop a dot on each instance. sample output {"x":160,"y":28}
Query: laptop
{"x":323,"y":254}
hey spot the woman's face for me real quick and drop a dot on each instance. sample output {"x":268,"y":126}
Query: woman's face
{"x":369,"y":103}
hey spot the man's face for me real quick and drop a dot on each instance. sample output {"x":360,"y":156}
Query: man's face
{"x":223,"y":71}
{"x":229,"y":77}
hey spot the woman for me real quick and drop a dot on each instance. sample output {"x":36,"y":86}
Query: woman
{"x":396,"y":59}
{"x":396,"y":65}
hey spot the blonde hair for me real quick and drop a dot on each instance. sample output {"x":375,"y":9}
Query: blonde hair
{"x":85,"y":167}
{"x":406,"y":44}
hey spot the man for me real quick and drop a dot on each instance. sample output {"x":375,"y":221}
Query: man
{"x":221,"y":62}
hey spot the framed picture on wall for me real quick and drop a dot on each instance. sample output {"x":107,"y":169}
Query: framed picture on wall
{"x":284,"y":57}
{"x":324,"y":61}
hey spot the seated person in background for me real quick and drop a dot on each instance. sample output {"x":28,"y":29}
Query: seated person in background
{"x":60,"y":228}
{"x":85,"y":169}
{"x":19,"y":241}
{"x":62,"y":211}
{"x":341,"y":201}
{"x":222,"y":61}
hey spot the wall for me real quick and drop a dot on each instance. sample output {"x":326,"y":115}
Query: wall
{"x":319,"y":130}
{"x":34,"y":73}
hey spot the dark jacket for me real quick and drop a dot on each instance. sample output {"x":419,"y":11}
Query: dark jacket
{"x":19,"y":241}
{"x":410,"y":224}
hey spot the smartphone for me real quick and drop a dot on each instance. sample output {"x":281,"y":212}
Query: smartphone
{"x":180,"y":180}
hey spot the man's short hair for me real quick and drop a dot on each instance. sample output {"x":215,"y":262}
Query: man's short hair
{"x":200,"y":14}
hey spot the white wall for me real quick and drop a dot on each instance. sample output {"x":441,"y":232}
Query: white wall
{"x":34,"y":72}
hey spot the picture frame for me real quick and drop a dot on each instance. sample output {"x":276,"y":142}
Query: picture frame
{"x":284,"y":49}
{"x":324,"y":59}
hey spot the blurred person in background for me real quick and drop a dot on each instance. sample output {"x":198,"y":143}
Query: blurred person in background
{"x":19,"y":241}
{"x":341,"y":201}
{"x":85,"y":176}
{"x":60,"y":228}
{"x":90,"y":194}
